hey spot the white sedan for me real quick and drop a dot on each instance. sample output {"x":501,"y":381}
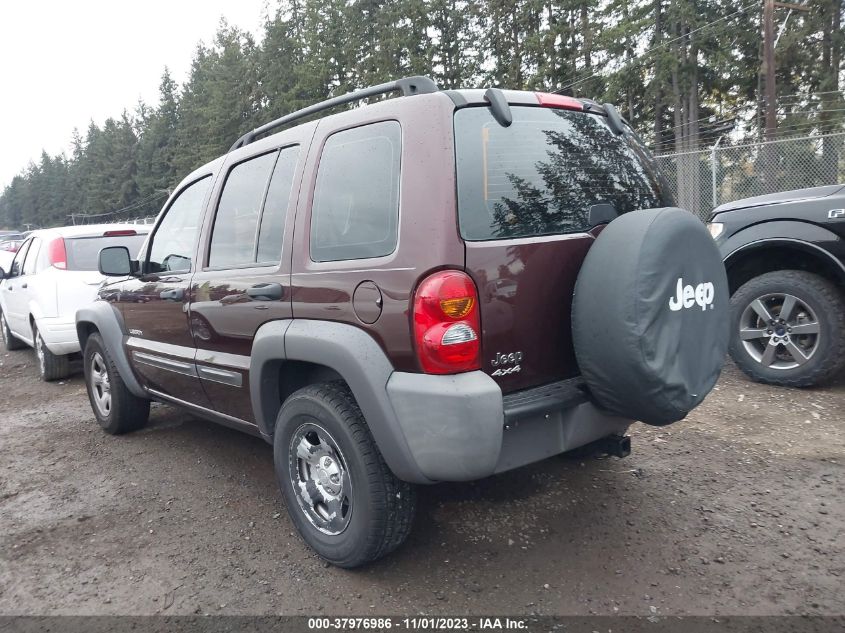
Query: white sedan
{"x":53,"y":274}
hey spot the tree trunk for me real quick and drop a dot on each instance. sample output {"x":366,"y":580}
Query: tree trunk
{"x":831,"y":61}
{"x":678,"y":102}
{"x":658,"y":79}
{"x":587,"y":36}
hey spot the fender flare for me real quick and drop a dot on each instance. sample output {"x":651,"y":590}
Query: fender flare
{"x":793,"y":234}
{"x":109,"y":323}
{"x":355,"y":356}
{"x":265,"y":362}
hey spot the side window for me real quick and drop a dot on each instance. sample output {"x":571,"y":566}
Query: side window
{"x":272,"y":229}
{"x":236,"y":222}
{"x":173,"y":243}
{"x":20,"y":256}
{"x":31,"y":256}
{"x":356,"y":200}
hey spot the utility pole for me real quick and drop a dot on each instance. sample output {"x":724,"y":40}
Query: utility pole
{"x":769,"y":68}
{"x":771,"y":92}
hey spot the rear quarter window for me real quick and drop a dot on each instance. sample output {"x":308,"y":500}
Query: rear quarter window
{"x":355,"y":213}
{"x":541,"y":175}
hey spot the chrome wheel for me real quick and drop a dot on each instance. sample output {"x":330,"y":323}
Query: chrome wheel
{"x":320,"y":479}
{"x":39,"y":351}
{"x":779,"y":331}
{"x":100,"y":387}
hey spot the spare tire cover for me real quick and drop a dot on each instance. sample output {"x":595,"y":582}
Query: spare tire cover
{"x":650,"y":315}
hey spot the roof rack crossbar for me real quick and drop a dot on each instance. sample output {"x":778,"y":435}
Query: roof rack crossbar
{"x":407,"y":86}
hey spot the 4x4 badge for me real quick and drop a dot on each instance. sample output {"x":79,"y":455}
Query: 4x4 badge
{"x":513,"y":358}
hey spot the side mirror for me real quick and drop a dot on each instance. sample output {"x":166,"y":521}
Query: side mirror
{"x":2,"y":273}
{"x":114,"y":261}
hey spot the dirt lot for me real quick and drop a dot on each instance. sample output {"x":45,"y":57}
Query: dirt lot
{"x":740,"y":509}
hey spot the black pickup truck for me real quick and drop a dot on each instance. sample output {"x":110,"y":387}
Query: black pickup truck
{"x":785,"y":259}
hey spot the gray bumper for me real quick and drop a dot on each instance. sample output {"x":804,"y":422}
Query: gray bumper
{"x":452,"y":424}
{"x":460,"y":428}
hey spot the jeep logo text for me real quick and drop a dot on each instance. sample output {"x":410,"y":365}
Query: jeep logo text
{"x":506,"y":359}
{"x":687,"y":296}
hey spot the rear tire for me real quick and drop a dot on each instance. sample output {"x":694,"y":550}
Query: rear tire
{"x":11,"y":342}
{"x":116,"y":408}
{"x":50,"y":366}
{"x":344,"y":500}
{"x":816,"y":308}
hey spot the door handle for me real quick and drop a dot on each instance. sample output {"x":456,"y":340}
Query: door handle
{"x":265,"y":292}
{"x":172,"y":295}
{"x":23,"y":285}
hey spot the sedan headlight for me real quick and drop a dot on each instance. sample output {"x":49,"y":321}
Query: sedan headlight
{"x":715,"y":228}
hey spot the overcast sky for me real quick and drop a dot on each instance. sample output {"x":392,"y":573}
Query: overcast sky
{"x":63,"y":63}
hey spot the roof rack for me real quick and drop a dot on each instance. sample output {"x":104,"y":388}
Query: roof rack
{"x":408,"y":86}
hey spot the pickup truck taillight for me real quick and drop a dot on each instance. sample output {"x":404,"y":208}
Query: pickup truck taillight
{"x":447,"y":324}
{"x":57,"y":254}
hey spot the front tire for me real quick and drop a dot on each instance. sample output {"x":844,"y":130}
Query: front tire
{"x":788,"y":328}
{"x":116,"y":408}
{"x":344,"y":500}
{"x":11,"y":341}
{"x":50,"y":366}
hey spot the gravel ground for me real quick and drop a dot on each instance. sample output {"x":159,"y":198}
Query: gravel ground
{"x":737,"y":510}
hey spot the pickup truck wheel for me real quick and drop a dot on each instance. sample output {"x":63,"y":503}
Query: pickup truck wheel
{"x":788,"y":328}
{"x":9,"y":340}
{"x":116,"y":408}
{"x":50,"y":366}
{"x":340,"y":494}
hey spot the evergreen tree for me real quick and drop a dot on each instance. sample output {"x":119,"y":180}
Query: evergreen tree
{"x":684,"y":72}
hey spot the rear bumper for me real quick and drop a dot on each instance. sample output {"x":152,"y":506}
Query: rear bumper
{"x":551,"y":420}
{"x":460,"y":427}
{"x":59,"y":334}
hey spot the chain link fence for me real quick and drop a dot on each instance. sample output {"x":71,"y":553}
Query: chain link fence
{"x":704,"y":179}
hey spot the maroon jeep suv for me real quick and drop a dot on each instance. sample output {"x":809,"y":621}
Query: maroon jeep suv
{"x":435,"y":287}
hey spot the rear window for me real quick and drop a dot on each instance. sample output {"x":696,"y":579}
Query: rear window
{"x":541,"y":175}
{"x":83,"y":252}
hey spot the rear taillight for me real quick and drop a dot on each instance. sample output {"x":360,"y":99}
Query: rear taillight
{"x":57,"y":254}
{"x":446,"y":323}
{"x":122,"y":233}
{"x":550,"y":100}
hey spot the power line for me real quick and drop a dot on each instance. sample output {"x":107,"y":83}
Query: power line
{"x":794,"y":112}
{"x":138,"y":203}
{"x":780,"y":128}
{"x":709,"y":136}
{"x":800,"y":95}
{"x":648,"y":52}
{"x":791,"y":135}
{"x":705,"y":119}
{"x":709,"y":119}
{"x":806,"y":126}
{"x":131,"y":207}
{"x":795,"y":96}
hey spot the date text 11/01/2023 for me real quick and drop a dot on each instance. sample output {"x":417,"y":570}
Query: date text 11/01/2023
{"x":420,"y":623}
